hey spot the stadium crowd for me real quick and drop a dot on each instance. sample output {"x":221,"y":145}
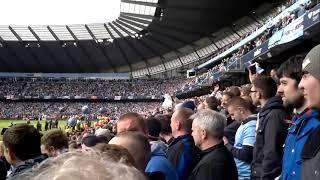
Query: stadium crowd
{"x":261,"y":130}
{"x":87,"y":88}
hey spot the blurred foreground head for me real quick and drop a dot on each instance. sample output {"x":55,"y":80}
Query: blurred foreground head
{"x":82,"y":165}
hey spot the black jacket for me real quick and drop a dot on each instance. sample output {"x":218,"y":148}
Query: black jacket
{"x":270,"y":137}
{"x":184,"y":155}
{"x":28,"y":164}
{"x":311,"y":157}
{"x":217,"y":163}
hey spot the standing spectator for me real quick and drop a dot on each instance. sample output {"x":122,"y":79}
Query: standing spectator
{"x":158,"y":161}
{"x":304,"y":120}
{"x":310,"y":85}
{"x":22,"y":148}
{"x":182,"y":152}
{"x":216,"y":161}
{"x":240,"y":110}
{"x":271,"y":129}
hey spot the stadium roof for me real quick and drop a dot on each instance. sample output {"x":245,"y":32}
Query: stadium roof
{"x":145,"y":29}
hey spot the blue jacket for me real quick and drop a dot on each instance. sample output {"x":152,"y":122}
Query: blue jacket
{"x":303,"y":125}
{"x":160,"y":163}
{"x":28,"y":164}
{"x":184,"y":155}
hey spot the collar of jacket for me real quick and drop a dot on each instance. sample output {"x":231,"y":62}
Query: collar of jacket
{"x":217,"y":146}
{"x":273,"y":103}
{"x":252,"y":117}
{"x":175,"y":140}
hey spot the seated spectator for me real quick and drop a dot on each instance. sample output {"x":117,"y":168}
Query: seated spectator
{"x":22,"y":148}
{"x":182,"y":152}
{"x":84,"y":165}
{"x":216,"y":162}
{"x":240,"y":110}
{"x":271,"y":129}
{"x":158,"y":161}
{"x":310,"y":85}
{"x":54,"y":142}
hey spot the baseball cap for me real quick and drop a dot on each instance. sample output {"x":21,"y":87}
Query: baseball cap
{"x":311,"y":63}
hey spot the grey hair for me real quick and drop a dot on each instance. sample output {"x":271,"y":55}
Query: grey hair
{"x":211,"y":121}
{"x":81,"y":165}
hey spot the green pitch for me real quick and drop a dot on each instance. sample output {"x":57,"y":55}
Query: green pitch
{"x":7,"y":123}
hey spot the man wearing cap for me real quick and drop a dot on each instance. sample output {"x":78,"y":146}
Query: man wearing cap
{"x":310,"y":85}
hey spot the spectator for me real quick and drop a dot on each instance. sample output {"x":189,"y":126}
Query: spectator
{"x":182,"y":152}
{"x":22,"y":148}
{"x":216,"y":162}
{"x":158,"y":161}
{"x":165,"y":132}
{"x":211,"y":103}
{"x":304,"y":119}
{"x":310,"y":85}
{"x":271,"y":129}
{"x":84,"y":165}
{"x":240,"y":110}
{"x":116,"y":153}
{"x":131,"y":122}
{"x":54,"y":143}
{"x":138,"y":146}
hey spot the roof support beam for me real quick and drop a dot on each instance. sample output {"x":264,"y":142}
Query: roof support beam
{"x":73,"y":61}
{"x":141,"y":3}
{"x":90,"y":60}
{"x":58,"y":65}
{"x":124,"y":55}
{"x":128,"y":42}
{"x":138,"y":15}
{"x":101,"y":50}
{"x":35,"y":59}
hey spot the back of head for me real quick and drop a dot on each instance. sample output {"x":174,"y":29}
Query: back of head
{"x":165,"y":124}
{"x":211,"y":121}
{"x":239,"y":102}
{"x":212,"y":103}
{"x":116,"y":153}
{"x":82,"y":165}
{"x":137,"y":144}
{"x":154,"y":128}
{"x":55,"y":138}
{"x":266,"y":86}
{"x":183,"y":116}
{"x":234,"y":90}
{"x":131,"y":122}
{"x":23,"y":140}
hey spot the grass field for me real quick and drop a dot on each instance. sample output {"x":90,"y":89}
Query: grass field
{"x":7,"y":123}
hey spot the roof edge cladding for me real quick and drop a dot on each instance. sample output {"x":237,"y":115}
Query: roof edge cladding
{"x":145,"y":30}
{"x":140,"y":9}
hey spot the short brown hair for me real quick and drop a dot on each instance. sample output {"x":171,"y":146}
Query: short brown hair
{"x":24,"y":140}
{"x":239,"y":102}
{"x":184,"y":115}
{"x":213,"y":102}
{"x":134,"y":117}
{"x":55,"y":138}
{"x":266,"y":85}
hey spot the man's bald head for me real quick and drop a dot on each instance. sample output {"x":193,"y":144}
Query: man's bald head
{"x":181,"y":122}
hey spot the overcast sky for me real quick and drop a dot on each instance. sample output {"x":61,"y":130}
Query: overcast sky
{"x":58,"y":12}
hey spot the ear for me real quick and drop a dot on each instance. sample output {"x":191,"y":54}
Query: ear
{"x":178,"y":125}
{"x":204,"y":134}
{"x":10,"y":153}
